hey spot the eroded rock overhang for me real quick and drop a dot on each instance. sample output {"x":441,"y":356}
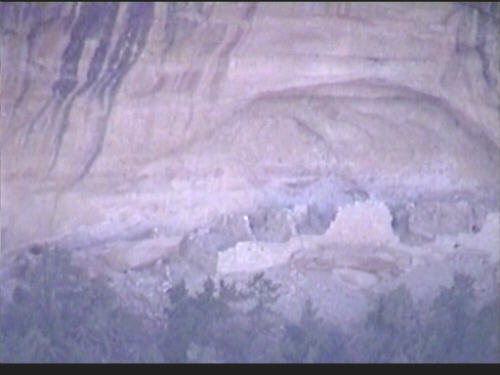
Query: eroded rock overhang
{"x":129,"y":122}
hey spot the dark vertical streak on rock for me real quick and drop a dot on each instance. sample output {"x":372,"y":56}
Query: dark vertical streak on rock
{"x":223,"y":63}
{"x":108,"y":66}
{"x":15,"y":15}
{"x":108,"y":15}
{"x":8,"y":12}
{"x":250,"y":11}
{"x":71,"y":17}
{"x":486,"y":25}
{"x":97,"y":148}
{"x":487,"y":9}
{"x":181,"y":24}
{"x":319,"y":139}
{"x":87,"y":21}
{"x":26,"y":11}
{"x":37,"y":120}
{"x":189,"y":80}
{"x":26,"y":80}
{"x":224,"y":56}
{"x":127,"y":50}
{"x":476,"y":23}
{"x":40,"y":25}
{"x":129,"y":47}
{"x":170,"y":27}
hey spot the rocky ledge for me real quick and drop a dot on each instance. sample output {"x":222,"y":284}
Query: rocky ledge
{"x":340,"y":148}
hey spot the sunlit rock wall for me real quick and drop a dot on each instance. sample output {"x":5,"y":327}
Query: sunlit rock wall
{"x":128,"y":119}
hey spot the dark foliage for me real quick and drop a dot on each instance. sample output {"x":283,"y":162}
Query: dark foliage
{"x":451,"y":331}
{"x":207,"y":320}
{"x":58,"y":314}
{"x":457,"y":333}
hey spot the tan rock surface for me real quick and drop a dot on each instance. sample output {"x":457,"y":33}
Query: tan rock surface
{"x":225,"y":98}
{"x":123,"y":255}
{"x":120,"y":118}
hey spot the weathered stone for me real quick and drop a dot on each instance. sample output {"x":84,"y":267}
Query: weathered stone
{"x":401,"y":226}
{"x":208,"y":110}
{"x":272,"y":225}
{"x":127,"y":255}
{"x":363,"y":223}
{"x":430,"y":218}
{"x":125,"y":123}
{"x":252,"y":257}
{"x":312,"y":220}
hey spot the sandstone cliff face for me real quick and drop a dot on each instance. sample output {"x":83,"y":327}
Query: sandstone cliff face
{"x":123,"y":122}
